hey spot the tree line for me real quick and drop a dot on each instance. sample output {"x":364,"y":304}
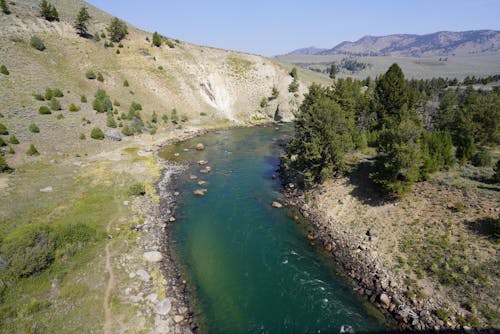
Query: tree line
{"x":387,"y":113}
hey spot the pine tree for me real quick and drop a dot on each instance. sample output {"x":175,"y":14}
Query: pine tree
{"x":117,"y":30}
{"x":81,"y":21}
{"x":5,"y":7}
{"x":333,"y":71}
{"x":391,"y":93}
{"x":48,"y":11}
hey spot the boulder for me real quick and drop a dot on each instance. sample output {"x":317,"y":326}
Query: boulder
{"x":163,"y":307}
{"x":200,"y":147}
{"x":206,"y":170}
{"x":153,"y":256}
{"x":172,"y":219}
{"x":277,"y":205}
{"x":178,"y":319}
{"x":114,"y":135}
{"x":202,"y":183}
{"x":202,"y":162}
{"x":48,"y":189}
{"x":384,"y":300}
{"x":200,"y":192}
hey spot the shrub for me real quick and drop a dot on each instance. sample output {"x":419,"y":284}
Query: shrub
{"x":57,"y":92}
{"x":135,"y":106}
{"x":13,"y":140}
{"x":170,"y":44}
{"x":100,"y":77}
{"x":97,"y":38}
{"x":3,"y":130}
{"x":127,"y":131}
{"x":82,"y":136}
{"x":83,"y":99}
{"x":39,"y":97}
{"x":28,"y":249}
{"x":97,"y":134}
{"x":37,"y":43}
{"x":102,"y":103}
{"x":44,"y":110}
{"x":116,"y":103}
{"x":125,"y":83}
{"x":157,"y":39}
{"x":263,"y":102}
{"x":164,"y":118}
{"x":481,"y":159}
{"x":173,"y":116}
{"x":117,"y":51}
{"x":4,"y":167}
{"x":2,"y":142}
{"x":90,"y":75}
{"x":64,"y":234}
{"x":496,"y":175}
{"x":117,"y":30}
{"x":184,"y":118}
{"x":111,"y":122}
{"x":32,"y":150}
{"x":73,"y":108}
{"x":49,"y":94}
{"x":55,"y":104}
{"x":154,"y":117}
{"x":34,"y":128}
{"x":136,"y":189}
{"x":294,"y":86}
{"x":11,"y":150}
{"x":5,"y":7}
{"x":59,"y":116}
{"x":48,"y":11}
{"x":4,"y":70}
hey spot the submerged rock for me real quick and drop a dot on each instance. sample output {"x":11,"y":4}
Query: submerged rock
{"x":200,"y":147}
{"x":277,"y":205}
{"x":200,"y":192}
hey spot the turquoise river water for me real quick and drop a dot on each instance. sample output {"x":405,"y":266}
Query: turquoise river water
{"x":249,"y":266}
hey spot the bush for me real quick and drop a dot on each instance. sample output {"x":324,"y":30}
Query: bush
{"x":48,"y":11}
{"x":34,"y":128}
{"x":164,"y":118}
{"x":100,"y":77}
{"x":57,"y":92}
{"x":97,"y":134}
{"x":110,"y":122}
{"x":37,"y":43}
{"x":83,"y":99}
{"x":2,"y":142}
{"x":32,"y":150}
{"x":4,"y":70}
{"x":44,"y":110}
{"x":481,"y":159}
{"x":102,"y":103}
{"x":135,"y":106}
{"x":28,"y":249}
{"x":64,"y":234}
{"x":39,"y":97}
{"x":11,"y":150}
{"x":73,"y":108}
{"x":116,"y":103}
{"x":157,"y":39}
{"x":3,"y":130}
{"x":127,"y":131}
{"x":263,"y":102}
{"x":54,"y":104}
{"x":49,"y":94}
{"x":125,"y":83}
{"x":59,"y":116}
{"x":4,"y":167}
{"x":294,"y":86}
{"x":90,"y":75}
{"x":117,"y":30}
{"x":170,"y":44}
{"x":136,"y":189}
{"x":13,"y":140}
{"x":82,"y":136}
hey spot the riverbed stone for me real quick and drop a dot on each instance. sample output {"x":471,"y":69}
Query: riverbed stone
{"x":153,"y":256}
{"x":143,"y":275}
{"x":178,"y":319}
{"x":384,"y":300}
{"x":277,"y":205}
{"x":200,"y":147}
{"x":163,"y":307}
{"x":200,"y":192}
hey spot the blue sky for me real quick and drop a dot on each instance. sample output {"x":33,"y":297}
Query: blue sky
{"x":277,"y":26}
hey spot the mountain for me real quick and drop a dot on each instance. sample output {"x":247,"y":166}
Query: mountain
{"x":308,"y":51}
{"x":443,"y":43}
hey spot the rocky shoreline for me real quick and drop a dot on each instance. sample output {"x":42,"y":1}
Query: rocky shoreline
{"x":361,"y":264}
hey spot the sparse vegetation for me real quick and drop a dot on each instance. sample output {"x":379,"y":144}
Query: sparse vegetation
{"x":97,"y":134}
{"x":157,"y":39}
{"x":37,"y":43}
{"x":55,"y":104}
{"x":90,"y":75}
{"x":32,"y":150}
{"x":3,"y":129}
{"x":100,"y":77}
{"x":83,"y":99}
{"x":263,"y":102}
{"x":13,"y":140}
{"x":125,"y":83}
{"x":4,"y":167}
{"x":73,"y":108}
{"x":136,"y":189}
{"x":170,"y":44}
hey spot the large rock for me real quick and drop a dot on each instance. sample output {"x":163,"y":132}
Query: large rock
{"x":153,"y":256}
{"x":200,"y":147}
{"x":163,"y":307}
{"x":200,"y":192}
{"x":384,"y":300}
{"x":114,"y":135}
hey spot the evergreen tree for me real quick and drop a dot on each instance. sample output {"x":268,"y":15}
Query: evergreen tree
{"x":333,"y":71}
{"x":81,"y":22}
{"x":391,"y":94}
{"x":293,"y":73}
{"x":117,"y":30}
{"x":48,"y":11}
{"x":157,"y":39}
{"x":5,"y":7}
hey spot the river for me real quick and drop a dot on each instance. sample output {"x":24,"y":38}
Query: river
{"x":250,"y":266}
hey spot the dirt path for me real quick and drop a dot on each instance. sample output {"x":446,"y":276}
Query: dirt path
{"x":107,"y":292}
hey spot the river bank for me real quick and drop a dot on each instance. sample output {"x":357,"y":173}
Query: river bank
{"x":382,"y":247}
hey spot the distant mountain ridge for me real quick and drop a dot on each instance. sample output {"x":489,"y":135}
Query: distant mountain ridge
{"x":443,"y":43}
{"x":312,"y":50}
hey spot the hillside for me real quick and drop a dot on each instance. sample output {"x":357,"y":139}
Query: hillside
{"x":443,"y":43}
{"x":100,"y":198}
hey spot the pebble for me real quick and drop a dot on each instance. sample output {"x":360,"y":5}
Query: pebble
{"x":48,"y":189}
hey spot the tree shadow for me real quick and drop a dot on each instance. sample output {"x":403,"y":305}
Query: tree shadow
{"x":488,"y":227}
{"x":365,"y":190}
